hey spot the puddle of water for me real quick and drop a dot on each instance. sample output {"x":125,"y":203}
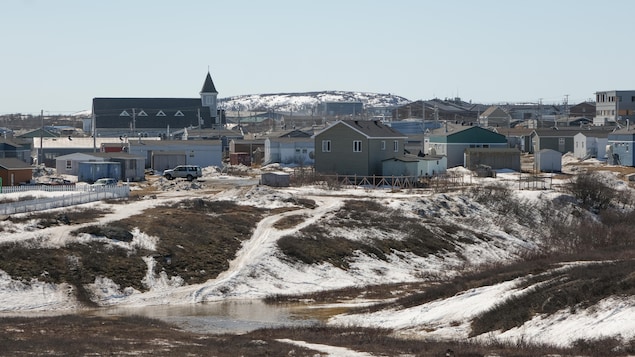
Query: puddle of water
{"x":234,"y":317}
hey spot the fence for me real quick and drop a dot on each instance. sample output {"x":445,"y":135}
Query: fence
{"x":438,"y":181}
{"x":76,"y":195}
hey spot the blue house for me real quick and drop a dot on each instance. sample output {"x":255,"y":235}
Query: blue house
{"x":620,"y":150}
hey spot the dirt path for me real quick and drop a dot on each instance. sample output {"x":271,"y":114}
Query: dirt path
{"x":262,"y":243}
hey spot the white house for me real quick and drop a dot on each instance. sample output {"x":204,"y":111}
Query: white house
{"x":290,"y":151}
{"x":588,"y":144}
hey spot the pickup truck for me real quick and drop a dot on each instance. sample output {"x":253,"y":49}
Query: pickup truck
{"x":189,"y":172}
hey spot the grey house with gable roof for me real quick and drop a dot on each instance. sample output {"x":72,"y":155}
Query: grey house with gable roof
{"x":356,"y":147}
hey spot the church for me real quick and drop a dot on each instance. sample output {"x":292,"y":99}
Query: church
{"x":155,"y":117}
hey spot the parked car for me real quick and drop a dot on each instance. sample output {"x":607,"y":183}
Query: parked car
{"x":189,"y":172}
{"x":105,"y":182}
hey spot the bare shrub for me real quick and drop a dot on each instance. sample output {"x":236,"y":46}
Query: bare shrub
{"x":591,"y":191}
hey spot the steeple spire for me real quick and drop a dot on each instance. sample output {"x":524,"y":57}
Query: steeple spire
{"x":209,"y":99}
{"x":208,"y":86}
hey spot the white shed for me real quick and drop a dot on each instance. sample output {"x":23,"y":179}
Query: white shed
{"x":548,"y":160}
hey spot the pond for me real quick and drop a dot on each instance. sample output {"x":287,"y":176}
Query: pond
{"x":235,"y":316}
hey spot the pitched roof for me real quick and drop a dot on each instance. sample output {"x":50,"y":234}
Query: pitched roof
{"x":13,"y":163}
{"x":372,"y":128}
{"x":556,"y":132}
{"x":495,"y":109}
{"x":449,"y":128}
{"x":149,"y":112}
{"x":38,"y":133}
{"x":208,"y":86}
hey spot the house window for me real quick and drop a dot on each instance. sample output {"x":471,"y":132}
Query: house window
{"x":69,"y":164}
{"x":357,"y":146}
{"x":383,"y":144}
{"x":179,"y":114}
{"x":326,"y":145}
{"x":124,"y":114}
{"x":160,"y":113}
{"x":396,"y":146}
{"x":142,"y":113}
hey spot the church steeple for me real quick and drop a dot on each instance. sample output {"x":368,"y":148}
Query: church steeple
{"x":208,"y":86}
{"x":208,"y":99}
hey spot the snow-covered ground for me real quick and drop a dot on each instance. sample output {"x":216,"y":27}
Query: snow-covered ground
{"x":257,"y":270}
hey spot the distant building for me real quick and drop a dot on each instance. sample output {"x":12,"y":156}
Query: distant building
{"x":582,"y":110}
{"x":614,"y":107}
{"x":150,"y":117}
{"x":495,"y":116}
{"x":341,"y":109}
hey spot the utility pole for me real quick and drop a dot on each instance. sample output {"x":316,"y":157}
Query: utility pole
{"x":41,"y":155}
{"x":540,"y":112}
{"x":134,"y":123}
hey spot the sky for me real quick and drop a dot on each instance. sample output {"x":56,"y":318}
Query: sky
{"x":58,"y":55}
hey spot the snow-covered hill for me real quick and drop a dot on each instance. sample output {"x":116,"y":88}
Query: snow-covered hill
{"x":305,"y":102}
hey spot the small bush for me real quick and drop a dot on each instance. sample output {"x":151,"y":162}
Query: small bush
{"x":591,"y":191}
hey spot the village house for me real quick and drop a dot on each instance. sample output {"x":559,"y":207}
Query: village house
{"x":621,"y":147}
{"x":495,"y":116}
{"x":451,"y":140}
{"x":290,"y":149}
{"x":559,"y":139}
{"x":590,"y":143}
{"x":356,"y":147}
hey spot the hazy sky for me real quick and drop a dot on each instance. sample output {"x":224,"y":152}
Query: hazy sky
{"x":56,"y":55}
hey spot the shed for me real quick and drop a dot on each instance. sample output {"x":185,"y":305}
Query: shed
{"x":92,"y":171}
{"x":495,"y":158}
{"x":548,"y":160}
{"x":15,"y":171}
{"x":275,"y":179}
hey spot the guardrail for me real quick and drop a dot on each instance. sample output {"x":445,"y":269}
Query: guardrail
{"x":76,"y":195}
